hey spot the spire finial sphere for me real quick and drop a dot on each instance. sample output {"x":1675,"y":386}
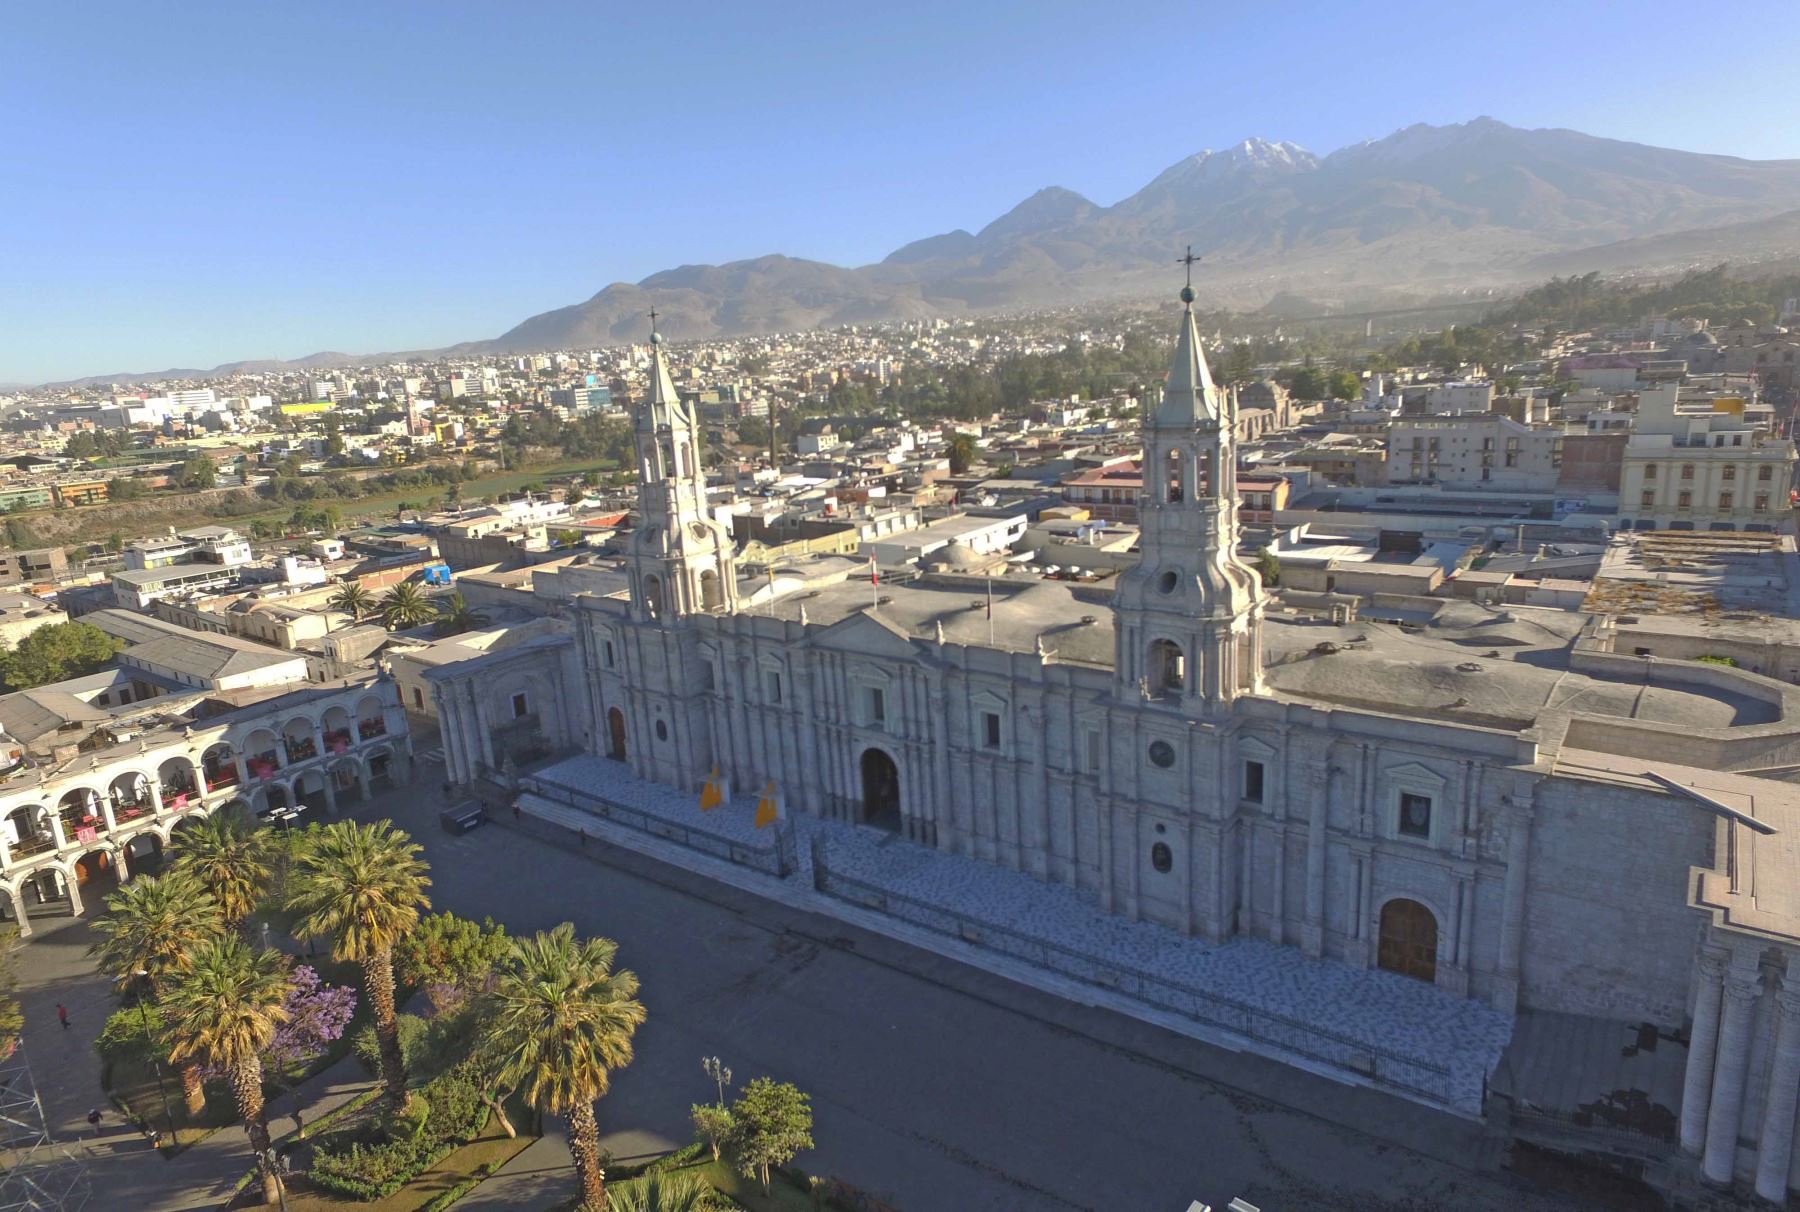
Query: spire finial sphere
{"x":1187,"y":294}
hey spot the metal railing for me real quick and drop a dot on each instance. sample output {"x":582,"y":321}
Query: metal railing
{"x":1416,"y":1075}
{"x":777,"y":857}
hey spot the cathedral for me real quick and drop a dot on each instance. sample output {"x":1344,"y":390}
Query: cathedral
{"x":1488,"y":799}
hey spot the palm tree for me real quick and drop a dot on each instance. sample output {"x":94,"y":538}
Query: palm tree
{"x":406,"y":606}
{"x":662,"y":1191}
{"x":229,"y":859}
{"x":459,"y":616}
{"x":363,"y":886}
{"x":223,"y":1012}
{"x":354,"y":600}
{"x":563,"y":1020}
{"x":151,"y":930}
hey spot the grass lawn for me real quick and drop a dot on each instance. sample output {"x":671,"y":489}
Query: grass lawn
{"x":783,"y":1195}
{"x":132,"y":1082}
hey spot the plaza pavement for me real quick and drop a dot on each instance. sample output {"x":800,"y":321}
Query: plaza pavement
{"x":936,"y":1085}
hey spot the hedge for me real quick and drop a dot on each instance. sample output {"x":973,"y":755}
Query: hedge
{"x":454,"y":1114}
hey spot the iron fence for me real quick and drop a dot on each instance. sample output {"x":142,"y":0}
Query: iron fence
{"x":776,"y":857}
{"x":1457,"y":1087}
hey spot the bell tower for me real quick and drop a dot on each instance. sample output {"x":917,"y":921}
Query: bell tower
{"x":681,"y":561}
{"x":1188,"y":616}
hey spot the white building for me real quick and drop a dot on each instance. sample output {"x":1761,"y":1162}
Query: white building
{"x":1581,"y":833}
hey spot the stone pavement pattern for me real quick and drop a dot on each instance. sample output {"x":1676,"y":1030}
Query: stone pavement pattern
{"x":1377,"y":1009}
{"x":935,"y":1085}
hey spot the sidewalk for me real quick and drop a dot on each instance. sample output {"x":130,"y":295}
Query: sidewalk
{"x":125,"y":1171}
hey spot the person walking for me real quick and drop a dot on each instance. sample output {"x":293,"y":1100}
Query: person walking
{"x":515,"y":812}
{"x":62,"y":1015}
{"x":93,"y":1118}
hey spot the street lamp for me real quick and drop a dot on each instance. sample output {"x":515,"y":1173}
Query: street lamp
{"x":155,"y":1058}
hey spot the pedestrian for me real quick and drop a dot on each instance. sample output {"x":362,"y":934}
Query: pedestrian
{"x":298,"y":1126}
{"x":584,"y":837}
{"x":515,"y":812}
{"x":62,"y":1015}
{"x":94,"y":1120}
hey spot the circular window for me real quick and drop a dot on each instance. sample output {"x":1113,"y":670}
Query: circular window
{"x":1162,"y":858}
{"x":1168,"y":582}
{"x":662,"y":731}
{"x":1162,"y":754}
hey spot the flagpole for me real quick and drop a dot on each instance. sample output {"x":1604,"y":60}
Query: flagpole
{"x":990,"y":609}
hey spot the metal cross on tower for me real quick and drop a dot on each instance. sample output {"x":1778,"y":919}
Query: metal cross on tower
{"x":1188,"y":260}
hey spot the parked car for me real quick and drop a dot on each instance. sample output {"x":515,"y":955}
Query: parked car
{"x":463,"y":817}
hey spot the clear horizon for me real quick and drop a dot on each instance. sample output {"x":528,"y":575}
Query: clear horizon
{"x":209,"y":182}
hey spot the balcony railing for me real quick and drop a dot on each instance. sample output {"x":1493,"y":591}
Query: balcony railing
{"x":225,"y":777}
{"x":130,"y":810}
{"x":338,"y":740}
{"x":37,"y":843}
{"x":77,"y":823}
{"x":263,"y":765}
{"x":370,"y":728}
{"x":300,"y":750}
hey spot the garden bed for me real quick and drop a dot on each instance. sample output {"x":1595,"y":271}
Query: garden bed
{"x":463,"y":1168}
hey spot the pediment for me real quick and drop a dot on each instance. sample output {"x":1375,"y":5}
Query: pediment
{"x":1413,"y":773}
{"x":867,"y":635}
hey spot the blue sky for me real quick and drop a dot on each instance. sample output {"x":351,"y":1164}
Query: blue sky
{"x":194,"y":182}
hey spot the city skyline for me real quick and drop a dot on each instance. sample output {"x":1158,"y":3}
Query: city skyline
{"x":209,"y":183}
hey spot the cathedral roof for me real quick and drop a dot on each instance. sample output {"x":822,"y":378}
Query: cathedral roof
{"x":1189,"y":397}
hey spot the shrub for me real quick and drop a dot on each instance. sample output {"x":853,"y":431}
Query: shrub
{"x":123,"y":1035}
{"x":448,"y":1112}
{"x":413,"y":1043}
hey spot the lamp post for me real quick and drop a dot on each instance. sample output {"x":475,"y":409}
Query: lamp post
{"x":155,"y":1059}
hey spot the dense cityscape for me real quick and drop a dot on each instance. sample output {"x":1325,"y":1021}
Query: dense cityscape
{"x":1273,"y":690}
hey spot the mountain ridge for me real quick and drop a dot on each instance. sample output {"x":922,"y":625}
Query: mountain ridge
{"x":1472,"y":204}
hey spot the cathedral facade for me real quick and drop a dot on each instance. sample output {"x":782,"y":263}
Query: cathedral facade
{"x":1565,"y":829}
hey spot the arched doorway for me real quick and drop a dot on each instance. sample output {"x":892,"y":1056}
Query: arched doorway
{"x":881,"y":790}
{"x":615,"y":729}
{"x":711,"y":596}
{"x":1409,"y":939}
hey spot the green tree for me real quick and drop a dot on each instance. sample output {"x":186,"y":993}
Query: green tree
{"x":458,"y":616}
{"x":152,"y":928}
{"x":1240,"y":363}
{"x":353,"y":600}
{"x":962,"y":454}
{"x":56,"y":653}
{"x":362,"y":886}
{"x":773,"y":1123}
{"x":198,"y":472}
{"x":223,"y":1013}
{"x":714,"y":1124}
{"x":1268,"y":567}
{"x":125,"y":488}
{"x":226,"y":856}
{"x":452,"y":957}
{"x":563,"y":1022}
{"x":115,"y":543}
{"x":406,"y":606}
{"x":1343,"y":385}
{"x":1307,"y":383}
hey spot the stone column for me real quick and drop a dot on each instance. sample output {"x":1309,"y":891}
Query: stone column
{"x":1512,"y":922}
{"x":1776,"y":1147}
{"x":243,"y":769}
{"x":72,"y":885}
{"x":54,"y":817}
{"x":1312,"y":931}
{"x":1725,"y":1116}
{"x":18,"y":907}
{"x":1696,"y":1087}
{"x":331,"y":804}
{"x":124,"y":863}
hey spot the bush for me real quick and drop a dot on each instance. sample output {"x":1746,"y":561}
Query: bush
{"x":449,"y":1112}
{"x":123,"y":1036}
{"x":414,"y":1046}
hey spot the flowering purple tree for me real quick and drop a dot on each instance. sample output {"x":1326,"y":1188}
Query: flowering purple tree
{"x":317,"y":1016}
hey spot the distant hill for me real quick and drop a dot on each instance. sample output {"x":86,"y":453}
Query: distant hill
{"x":1457,"y":208}
{"x":1475,"y":204}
